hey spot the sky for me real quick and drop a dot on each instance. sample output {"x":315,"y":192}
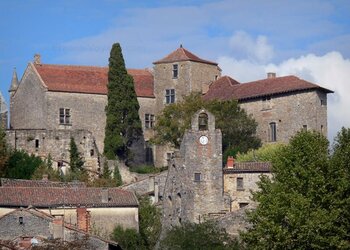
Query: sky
{"x":248,"y":38}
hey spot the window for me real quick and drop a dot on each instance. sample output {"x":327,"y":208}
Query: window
{"x":243,"y":204}
{"x":197,"y":177}
{"x":36,"y":143}
{"x":149,"y":153}
{"x":203,"y":121}
{"x":273,"y":132}
{"x":175,"y":70}
{"x":304,"y":127}
{"x":169,"y":156}
{"x":64,"y":116}
{"x":20,"y":220}
{"x":169,"y":96}
{"x":266,"y":103}
{"x":240,"y":183}
{"x":149,"y":120}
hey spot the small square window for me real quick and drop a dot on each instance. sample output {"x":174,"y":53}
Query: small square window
{"x":175,"y":70}
{"x":197,"y":177}
{"x":169,"y":96}
{"x":304,"y":127}
{"x":149,"y":121}
{"x":240,"y":183}
{"x":266,"y":103}
{"x":64,"y":115}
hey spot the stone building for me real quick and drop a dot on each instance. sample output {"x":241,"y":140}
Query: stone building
{"x":194,"y":187}
{"x":3,"y":113}
{"x":63,"y":98}
{"x":26,"y":227}
{"x":96,"y":210}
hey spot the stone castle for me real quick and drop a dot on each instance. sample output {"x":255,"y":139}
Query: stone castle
{"x":52,"y":103}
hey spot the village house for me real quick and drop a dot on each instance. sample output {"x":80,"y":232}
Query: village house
{"x":96,"y":210}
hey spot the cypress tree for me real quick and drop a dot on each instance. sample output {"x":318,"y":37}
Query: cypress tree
{"x":123,"y":125}
{"x":76,"y":161}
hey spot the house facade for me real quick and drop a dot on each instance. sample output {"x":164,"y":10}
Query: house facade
{"x":64,"y":99}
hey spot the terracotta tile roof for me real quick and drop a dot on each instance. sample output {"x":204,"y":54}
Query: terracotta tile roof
{"x":255,"y":167}
{"x":39,"y":183}
{"x":90,"y":79}
{"x":57,"y":196}
{"x":182,"y":54}
{"x":265,"y":87}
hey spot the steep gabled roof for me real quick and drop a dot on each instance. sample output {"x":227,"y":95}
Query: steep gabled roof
{"x":70,"y":196}
{"x":180,"y":55}
{"x":89,"y":79}
{"x":260,"y":88}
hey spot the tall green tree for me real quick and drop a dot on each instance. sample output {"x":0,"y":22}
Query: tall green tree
{"x":4,"y":152}
{"x":76,"y":161}
{"x":123,"y":124}
{"x":298,"y":207}
{"x":238,"y":129}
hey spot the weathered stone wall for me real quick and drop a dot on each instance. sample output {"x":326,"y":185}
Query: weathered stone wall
{"x":28,"y":104}
{"x":103,"y":220}
{"x":241,"y":197}
{"x":56,"y":143}
{"x":290,"y":112}
{"x":187,"y":198}
{"x":10,"y":226}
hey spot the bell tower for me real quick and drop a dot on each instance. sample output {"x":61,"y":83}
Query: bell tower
{"x":194,"y":186}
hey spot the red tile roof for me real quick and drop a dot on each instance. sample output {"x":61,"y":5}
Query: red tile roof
{"x":255,"y":167}
{"x":271,"y":86}
{"x":39,"y":183}
{"x":57,"y":196}
{"x":182,"y":54}
{"x":89,"y":79}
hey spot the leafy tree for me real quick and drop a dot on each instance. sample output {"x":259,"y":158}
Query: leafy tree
{"x":123,"y":125}
{"x":76,"y":161}
{"x":107,"y":179}
{"x":150,"y":223}
{"x":267,"y":152}
{"x":128,"y":239}
{"x":298,"y":208}
{"x":238,"y":129}
{"x":46,"y":169}
{"x":4,"y":152}
{"x":21,"y":165}
{"x":198,"y":236}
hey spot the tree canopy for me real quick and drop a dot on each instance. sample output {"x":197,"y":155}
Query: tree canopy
{"x":306,"y":204}
{"x":206,"y":235}
{"x":238,"y":129}
{"x":123,"y":124}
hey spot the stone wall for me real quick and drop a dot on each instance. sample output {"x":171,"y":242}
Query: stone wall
{"x":290,"y":112}
{"x":11,"y":226}
{"x":28,"y":103}
{"x":41,"y":142}
{"x":194,"y":185}
{"x":241,"y":196}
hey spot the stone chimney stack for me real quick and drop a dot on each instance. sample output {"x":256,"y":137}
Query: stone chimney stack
{"x":104,"y":195}
{"x":37,"y":59}
{"x":230,"y":162}
{"x":83,"y":219}
{"x":271,"y":75}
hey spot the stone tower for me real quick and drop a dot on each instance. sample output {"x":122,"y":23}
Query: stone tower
{"x":194,"y":186}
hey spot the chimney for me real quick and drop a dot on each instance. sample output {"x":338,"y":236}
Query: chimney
{"x":271,"y":75}
{"x":104,"y":195}
{"x":83,"y":219}
{"x":45,"y":177}
{"x":37,"y":59}
{"x":230,"y":162}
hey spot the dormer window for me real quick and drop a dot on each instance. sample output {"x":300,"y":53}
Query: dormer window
{"x":175,"y":70}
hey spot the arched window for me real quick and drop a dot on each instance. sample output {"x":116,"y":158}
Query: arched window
{"x":203,"y":121}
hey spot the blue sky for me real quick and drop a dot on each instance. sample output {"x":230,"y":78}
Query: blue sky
{"x":310,"y":39}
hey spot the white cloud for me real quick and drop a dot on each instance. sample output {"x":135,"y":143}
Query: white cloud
{"x":331,"y":71}
{"x":257,"y":50}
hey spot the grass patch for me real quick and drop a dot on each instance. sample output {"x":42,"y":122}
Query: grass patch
{"x":147,"y":169}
